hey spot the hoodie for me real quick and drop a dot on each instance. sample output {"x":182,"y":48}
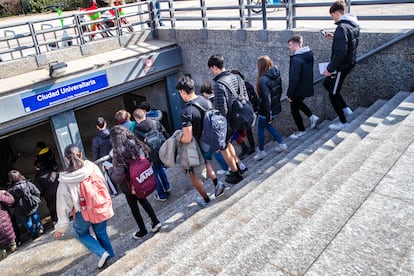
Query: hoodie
{"x":345,"y":43}
{"x":270,"y":85}
{"x":101,"y":144}
{"x":301,"y":74}
{"x":67,"y":196}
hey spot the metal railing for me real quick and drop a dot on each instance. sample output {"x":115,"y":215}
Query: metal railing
{"x":40,"y":36}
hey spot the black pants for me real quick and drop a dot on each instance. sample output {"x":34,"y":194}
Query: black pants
{"x":297,"y":105}
{"x":333,"y":85}
{"x":133,"y":205}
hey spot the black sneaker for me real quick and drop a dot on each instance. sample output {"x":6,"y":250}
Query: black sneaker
{"x":139,"y":234}
{"x":234,"y":178}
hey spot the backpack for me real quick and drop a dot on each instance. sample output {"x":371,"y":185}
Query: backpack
{"x":94,"y":199}
{"x":153,"y":138}
{"x":241,"y":115}
{"x":141,"y":177}
{"x":27,"y":202}
{"x":214,"y":128}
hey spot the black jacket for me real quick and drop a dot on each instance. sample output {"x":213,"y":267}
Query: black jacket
{"x":101,"y":145}
{"x":301,"y":74}
{"x":344,"y":45}
{"x":270,"y":85}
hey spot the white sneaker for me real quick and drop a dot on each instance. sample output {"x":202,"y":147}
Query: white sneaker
{"x":260,"y":155}
{"x":297,"y":135}
{"x":220,"y":172}
{"x":347,"y":111}
{"x":281,"y":147}
{"x":103,"y":259}
{"x":338,"y":126}
{"x":313,"y":121}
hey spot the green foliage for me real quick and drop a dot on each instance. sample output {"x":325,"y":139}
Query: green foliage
{"x":39,"y":6}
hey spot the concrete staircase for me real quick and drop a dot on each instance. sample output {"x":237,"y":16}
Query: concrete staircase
{"x":333,"y":203}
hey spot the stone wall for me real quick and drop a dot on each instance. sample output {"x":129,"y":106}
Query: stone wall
{"x":380,"y":76}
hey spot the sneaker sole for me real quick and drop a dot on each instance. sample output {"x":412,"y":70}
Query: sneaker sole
{"x":156,"y":228}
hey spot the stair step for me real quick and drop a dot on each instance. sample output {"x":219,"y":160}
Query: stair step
{"x":242,"y":238}
{"x":305,"y":210}
{"x":163,"y":253}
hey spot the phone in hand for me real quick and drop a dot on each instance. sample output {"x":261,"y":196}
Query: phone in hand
{"x":323,"y":32}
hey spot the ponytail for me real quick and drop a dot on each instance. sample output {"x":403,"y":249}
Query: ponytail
{"x":73,"y":155}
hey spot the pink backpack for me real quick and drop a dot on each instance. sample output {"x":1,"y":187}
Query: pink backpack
{"x":142,"y":178}
{"x":94,"y":199}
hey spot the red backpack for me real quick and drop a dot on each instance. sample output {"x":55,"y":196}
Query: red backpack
{"x":141,"y":177}
{"x":95,"y":201}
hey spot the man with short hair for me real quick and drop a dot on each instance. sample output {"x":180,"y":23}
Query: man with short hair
{"x":300,"y":83}
{"x":143,"y":126}
{"x":192,"y":126}
{"x":223,"y":100}
{"x":343,"y":59}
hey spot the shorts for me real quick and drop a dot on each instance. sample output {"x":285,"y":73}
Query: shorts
{"x":207,"y":154}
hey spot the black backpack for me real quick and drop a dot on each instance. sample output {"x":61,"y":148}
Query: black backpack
{"x":241,"y":115}
{"x":153,"y":138}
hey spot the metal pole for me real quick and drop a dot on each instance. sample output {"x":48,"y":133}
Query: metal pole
{"x":264,"y":14}
{"x":241,"y":13}
{"x":203,"y":13}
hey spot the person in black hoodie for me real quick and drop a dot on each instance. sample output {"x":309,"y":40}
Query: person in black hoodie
{"x":269,"y":91}
{"x":46,"y":180}
{"x":101,"y":144}
{"x":300,"y":83}
{"x":142,"y":127}
{"x":343,"y":59}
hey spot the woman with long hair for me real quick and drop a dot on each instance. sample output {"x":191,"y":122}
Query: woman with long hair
{"x":27,"y":200}
{"x":68,"y":202}
{"x":126,"y":147}
{"x":269,"y":91}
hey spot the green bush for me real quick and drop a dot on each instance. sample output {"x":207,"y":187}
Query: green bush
{"x":39,"y":6}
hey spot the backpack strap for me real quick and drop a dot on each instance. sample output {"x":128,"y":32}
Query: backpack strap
{"x":227,"y":85}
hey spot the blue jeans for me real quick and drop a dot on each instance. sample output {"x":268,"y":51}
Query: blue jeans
{"x":30,"y":222}
{"x":220,"y":159}
{"x":97,"y":246}
{"x":162,"y":182}
{"x":261,"y":126}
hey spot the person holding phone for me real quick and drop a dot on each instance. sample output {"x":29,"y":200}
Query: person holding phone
{"x":343,"y":59}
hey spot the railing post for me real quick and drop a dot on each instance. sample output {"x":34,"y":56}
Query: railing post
{"x":249,"y":14}
{"x":264,"y":14}
{"x":172,"y":14}
{"x":79,"y":29}
{"x":289,"y":21}
{"x":118,"y":22}
{"x":293,"y":13}
{"x":241,"y":14}
{"x":203,"y":13}
{"x":34,"y":38}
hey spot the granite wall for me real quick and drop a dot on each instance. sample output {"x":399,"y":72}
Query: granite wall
{"x":380,"y":76}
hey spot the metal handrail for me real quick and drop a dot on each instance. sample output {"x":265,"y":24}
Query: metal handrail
{"x":148,"y":15}
{"x":377,"y":50}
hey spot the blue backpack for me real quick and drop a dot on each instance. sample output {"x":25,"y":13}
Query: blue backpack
{"x":214,"y":128}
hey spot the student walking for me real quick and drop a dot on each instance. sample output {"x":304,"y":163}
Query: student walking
{"x":300,"y":84}
{"x":126,"y":147}
{"x":68,"y":202}
{"x":142,"y":128}
{"x":27,"y":200}
{"x":7,"y":235}
{"x":343,"y":59}
{"x":223,"y":100}
{"x":269,"y":91}
{"x":192,"y":126}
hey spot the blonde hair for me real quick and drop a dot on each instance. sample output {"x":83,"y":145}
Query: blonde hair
{"x":264,"y":63}
{"x":122,"y":116}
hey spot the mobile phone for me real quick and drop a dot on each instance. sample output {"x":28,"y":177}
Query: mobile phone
{"x":323,"y":32}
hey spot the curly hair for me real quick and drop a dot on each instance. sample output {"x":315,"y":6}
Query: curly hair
{"x":125,"y":146}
